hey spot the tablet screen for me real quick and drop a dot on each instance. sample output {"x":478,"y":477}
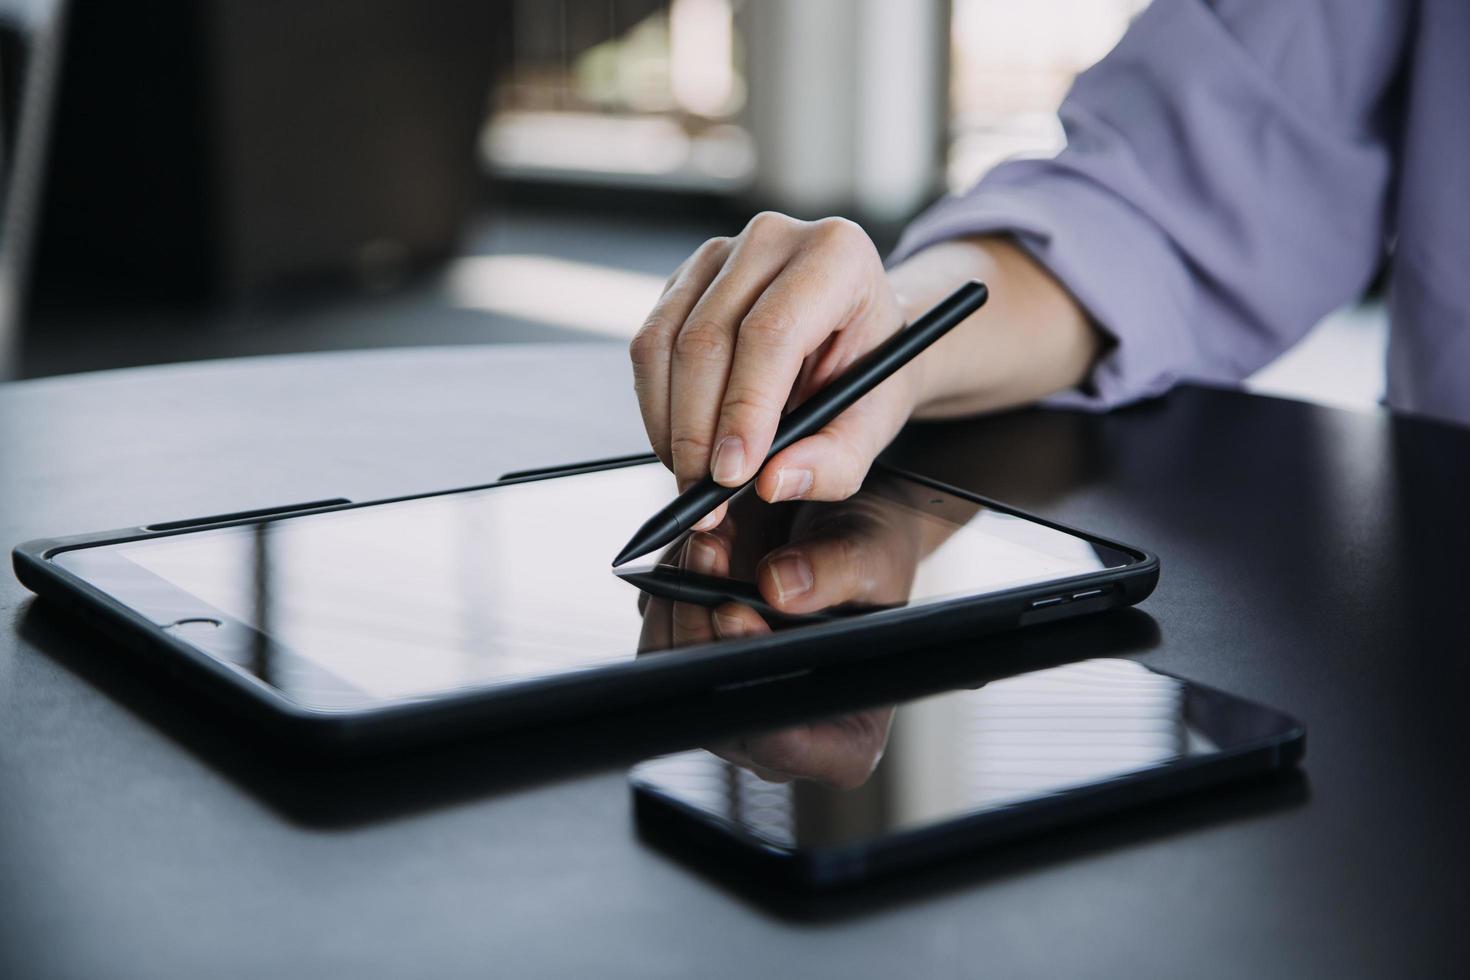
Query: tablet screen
{"x":476,"y":588}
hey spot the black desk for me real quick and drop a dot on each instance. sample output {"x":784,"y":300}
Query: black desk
{"x":1313,"y":559}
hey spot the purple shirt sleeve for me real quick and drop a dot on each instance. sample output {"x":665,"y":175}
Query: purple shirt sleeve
{"x":1226,"y":183}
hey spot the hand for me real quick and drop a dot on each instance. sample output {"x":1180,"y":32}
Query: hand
{"x":863,"y":551}
{"x":670,"y":625}
{"x":841,"y":752}
{"x":803,"y":558}
{"x":751,"y":325}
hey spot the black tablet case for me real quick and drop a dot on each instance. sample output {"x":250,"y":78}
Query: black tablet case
{"x":544,"y":699}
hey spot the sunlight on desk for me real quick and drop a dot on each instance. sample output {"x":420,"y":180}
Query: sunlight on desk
{"x":560,"y":292}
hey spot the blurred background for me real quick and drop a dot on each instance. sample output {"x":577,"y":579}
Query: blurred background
{"x":190,"y":179}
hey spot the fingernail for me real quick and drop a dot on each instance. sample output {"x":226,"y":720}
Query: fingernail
{"x":793,"y":577}
{"x":727,"y":626}
{"x":707,"y":522}
{"x":701,"y":556}
{"x":728,"y":466}
{"x":791,"y":484}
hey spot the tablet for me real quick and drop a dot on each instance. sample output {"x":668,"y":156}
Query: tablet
{"x":494,"y":605}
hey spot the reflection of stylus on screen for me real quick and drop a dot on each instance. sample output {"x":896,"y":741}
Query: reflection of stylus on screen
{"x":677,"y":585}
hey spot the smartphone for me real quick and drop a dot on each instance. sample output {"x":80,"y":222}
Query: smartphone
{"x":847,"y":798}
{"x":400,"y":620}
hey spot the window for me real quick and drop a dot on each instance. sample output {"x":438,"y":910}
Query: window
{"x":622,"y":91}
{"x":654,"y":92}
{"x":1011,"y":64}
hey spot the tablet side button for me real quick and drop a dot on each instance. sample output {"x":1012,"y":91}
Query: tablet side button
{"x":1049,"y":601}
{"x":1088,"y":594}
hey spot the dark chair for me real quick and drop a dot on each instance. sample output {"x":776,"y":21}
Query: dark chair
{"x":30,"y":52}
{"x":213,"y":151}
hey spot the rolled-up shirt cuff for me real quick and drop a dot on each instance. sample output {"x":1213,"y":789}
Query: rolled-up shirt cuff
{"x":1110,"y":257}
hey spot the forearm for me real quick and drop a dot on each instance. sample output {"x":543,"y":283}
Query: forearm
{"x":1029,"y":341}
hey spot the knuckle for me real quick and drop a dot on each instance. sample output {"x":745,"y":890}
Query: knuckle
{"x":687,"y":452}
{"x":748,"y":403}
{"x":767,"y":224}
{"x":842,"y":235}
{"x":678,"y":273}
{"x":712,"y":247}
{"x":702,"y":340}
{"x":852,"y":558}
{"x":648,"y":344}
{"x":845,"y":475}
{"x":782,"y":751}
{"x":711,"y":252}
{"x":690,"y":622}
{"x":768,"y":328}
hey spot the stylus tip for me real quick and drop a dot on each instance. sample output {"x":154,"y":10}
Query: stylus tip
{"x":657,"y":532}
{"x":631,"y":551}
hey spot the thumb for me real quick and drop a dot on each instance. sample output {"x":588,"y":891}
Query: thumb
{"x":831,"y":464}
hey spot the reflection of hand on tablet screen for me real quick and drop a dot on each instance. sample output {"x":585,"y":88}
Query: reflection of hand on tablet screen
{"x":766,"y":567}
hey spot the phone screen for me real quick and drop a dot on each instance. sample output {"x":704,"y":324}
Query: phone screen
{"x":419,"y":597}
{"x":860,"y":777}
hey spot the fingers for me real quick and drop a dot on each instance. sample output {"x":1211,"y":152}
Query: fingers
{"x":808,"y":753}
{"x":705,"y":345}
{"x":652,"y":346}
{"x":842,"y":752}
{"x":857,"y":553}
{"x":820,"y":573}
{"x":826,"y":286}
{"x":690,"y":625}
{"x":714,"y":519}
{"x":733,"y":620}
{"x":707,"y":554}
{"x":670,"y":624}
{"x":743,"y":329}
{"x":734,"y":752}
{"x":832,"y":464}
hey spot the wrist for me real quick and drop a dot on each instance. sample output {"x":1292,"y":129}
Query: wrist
{"x":1030,"y":340}
{"x":920,"y":282}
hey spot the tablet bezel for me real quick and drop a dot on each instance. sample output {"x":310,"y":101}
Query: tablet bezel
{"x":544,"y":698}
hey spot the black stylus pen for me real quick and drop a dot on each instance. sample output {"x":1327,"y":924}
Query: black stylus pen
{"x":865,"y":374}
